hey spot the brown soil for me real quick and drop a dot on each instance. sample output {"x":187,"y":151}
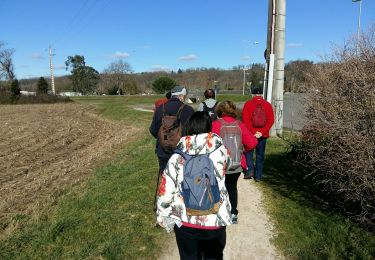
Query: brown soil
{"x":46,"y":148}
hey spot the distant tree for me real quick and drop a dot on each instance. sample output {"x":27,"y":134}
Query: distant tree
{"x":6,"y":62}
{"x":297,"y":74}
{"x":163,"y":84}
{"x":118,"y":72}
{"x":131,"y":87}
{"x":15,"y":88}
{"x":84,"y":78}
{"x":42,"y":86}
{"x":75,"y":62}
{"x":179,"y":71}
{"x":256,"y":74}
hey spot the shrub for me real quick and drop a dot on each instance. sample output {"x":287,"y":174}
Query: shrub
{"x":163,"y":84}
{"x":338,"y":142}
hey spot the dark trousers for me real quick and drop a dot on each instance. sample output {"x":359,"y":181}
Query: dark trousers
{"x":200,"y":244}
{"x":231,"y":185}
{"x":162,"y":163}
{"x":260,"y":150}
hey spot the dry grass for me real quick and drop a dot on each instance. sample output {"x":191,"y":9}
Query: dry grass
{"x":47,"y":148}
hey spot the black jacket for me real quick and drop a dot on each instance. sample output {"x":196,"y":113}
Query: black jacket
{"x":171,"y":108}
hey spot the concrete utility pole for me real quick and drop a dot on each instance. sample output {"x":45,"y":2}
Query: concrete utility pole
{"x":51,"y":68}
{"x":275,"y":61}
{"x":359,"y":23}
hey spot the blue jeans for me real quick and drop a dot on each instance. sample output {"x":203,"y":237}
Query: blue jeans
{"x":260,"y":149}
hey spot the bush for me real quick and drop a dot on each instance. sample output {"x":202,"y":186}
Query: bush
{"x":163,"y":84}
{"x":338,"y":142}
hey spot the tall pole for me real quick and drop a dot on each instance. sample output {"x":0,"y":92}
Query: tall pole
{"x":51,"y":68}
{"x":359,"y":25}
{"x":278,"y":88}
{"x":244,"y":81}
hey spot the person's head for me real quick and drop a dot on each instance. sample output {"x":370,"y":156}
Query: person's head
{"x":168,"y":95}
{"x":209,"y":93}
{"x":198,"y":123}
{"x":226,"y":108}
{"x":179,"y":92}
{"x":258,"y":91}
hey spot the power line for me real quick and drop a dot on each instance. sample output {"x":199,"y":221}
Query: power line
{"x":74,"y":23}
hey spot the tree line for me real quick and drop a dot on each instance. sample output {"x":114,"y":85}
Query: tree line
{"x":119,"y":78}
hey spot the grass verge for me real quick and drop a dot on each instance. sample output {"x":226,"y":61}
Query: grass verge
{"x":307,"y":228}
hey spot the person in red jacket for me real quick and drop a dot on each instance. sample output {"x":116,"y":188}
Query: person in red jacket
{"x":258,"y":116}
{"x":162,"y":101}
{"x":227,"y":112}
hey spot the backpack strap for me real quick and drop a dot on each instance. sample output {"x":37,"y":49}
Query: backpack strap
{"x":182,"y":154}
{"x":205,"y":107}
{"x":180,"y":111}
{"x":223,"y":122}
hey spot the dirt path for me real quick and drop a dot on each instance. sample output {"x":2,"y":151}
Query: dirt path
{"x":250,"y":238}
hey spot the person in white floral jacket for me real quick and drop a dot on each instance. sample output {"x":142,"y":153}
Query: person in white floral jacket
{"x":197,"y":237}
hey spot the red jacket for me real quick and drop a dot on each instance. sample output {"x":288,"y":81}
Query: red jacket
{"x":160,"y":102}
{"x":248,"y":140}
{"x":247,"y":114}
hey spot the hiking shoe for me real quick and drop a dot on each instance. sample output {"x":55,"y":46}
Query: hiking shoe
{"x":249,"y":176}
{"x":234,"y":219}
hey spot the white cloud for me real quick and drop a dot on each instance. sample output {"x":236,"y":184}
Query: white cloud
{"x":120,"y":55}
{"x":245,"y":57}
{"x":294,"y":45}
{"x":24,"y":66}
{"x":189,"y":57}
{"x":160,"y":68}
{"x":37,"y":56}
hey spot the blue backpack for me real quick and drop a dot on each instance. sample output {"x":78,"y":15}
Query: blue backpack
{"x":200,"y":189}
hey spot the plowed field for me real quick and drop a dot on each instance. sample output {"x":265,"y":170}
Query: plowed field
{"x":47,"y":148}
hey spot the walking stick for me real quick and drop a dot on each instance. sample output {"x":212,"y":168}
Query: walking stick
{"x":156,"y":191}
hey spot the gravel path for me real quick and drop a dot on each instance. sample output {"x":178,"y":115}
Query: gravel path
{"x":250,"y":238}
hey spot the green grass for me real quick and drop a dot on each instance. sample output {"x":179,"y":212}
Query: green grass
{"x":307,"y":228}
{"x":110,"y":216}
{"x":233,"y":97}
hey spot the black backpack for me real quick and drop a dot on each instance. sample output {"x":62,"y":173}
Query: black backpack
{"x":211,"y":110}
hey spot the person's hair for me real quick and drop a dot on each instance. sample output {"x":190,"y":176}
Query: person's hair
{"x":168,"y":95}
{"x":209,"y":93}
{"x":227,"y":108}
{"x":198,"y":123}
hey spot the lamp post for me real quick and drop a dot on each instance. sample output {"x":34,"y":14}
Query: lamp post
{"x":359,"y":22}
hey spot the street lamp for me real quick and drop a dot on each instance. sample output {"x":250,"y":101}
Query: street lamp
{"x":359,"y":22}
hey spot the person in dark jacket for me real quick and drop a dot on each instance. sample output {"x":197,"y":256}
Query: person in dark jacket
{"x":172,"y":106}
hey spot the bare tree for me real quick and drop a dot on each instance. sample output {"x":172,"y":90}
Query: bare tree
{"x":118,"y":72}
{"x":6,"y":62}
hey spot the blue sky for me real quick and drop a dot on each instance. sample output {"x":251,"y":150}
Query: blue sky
{"x":169,"y":34}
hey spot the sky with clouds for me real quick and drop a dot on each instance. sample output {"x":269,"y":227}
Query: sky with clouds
{"x":154,"y":35}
